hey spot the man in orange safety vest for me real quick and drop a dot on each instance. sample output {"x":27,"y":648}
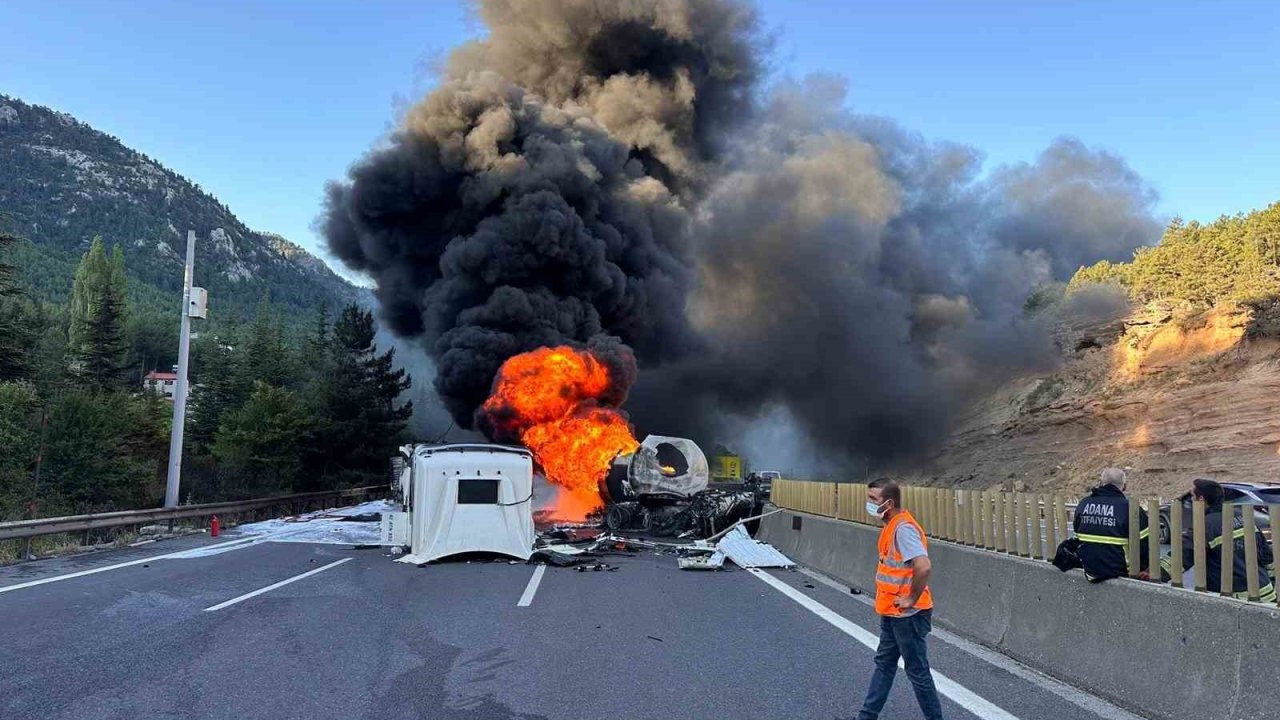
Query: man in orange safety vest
{"x":903,"y":602}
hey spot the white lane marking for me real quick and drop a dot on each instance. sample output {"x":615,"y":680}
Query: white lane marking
{"x":961,"y":695}
{"x":280,"y":584}
{"x":117,"y":566}
{"x":1081,"y":699}
{"x":532,"y":588}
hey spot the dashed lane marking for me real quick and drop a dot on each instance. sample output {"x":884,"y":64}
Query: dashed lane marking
{"x":532,"y":588}
{"x":274,"y":586}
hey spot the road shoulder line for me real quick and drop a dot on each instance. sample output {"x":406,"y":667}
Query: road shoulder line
{"x":961,"y":695}
{"x":1080,"y":698}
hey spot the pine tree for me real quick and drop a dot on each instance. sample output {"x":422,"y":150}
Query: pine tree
{"x":266,"y":356}
{"x":217,"y":392}
{"x":360,"y":423}
{"x":97,"y":315}
{"x":102,"y":356}
{"x":261,"y":441}
{"x":15,"y":336}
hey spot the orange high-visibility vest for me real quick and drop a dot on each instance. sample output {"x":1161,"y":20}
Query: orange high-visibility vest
{"x":893,"y":576}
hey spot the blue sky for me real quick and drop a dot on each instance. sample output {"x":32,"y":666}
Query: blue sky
{"x":262,"y":102}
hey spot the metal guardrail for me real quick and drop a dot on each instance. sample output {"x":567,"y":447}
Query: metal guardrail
{"x":1032,"y":525}
{"x":22,"y":529}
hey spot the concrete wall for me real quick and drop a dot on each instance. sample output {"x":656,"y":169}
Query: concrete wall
{"x":1156,"y":650}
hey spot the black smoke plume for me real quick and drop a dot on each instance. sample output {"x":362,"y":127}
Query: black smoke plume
{"x":617,"y":169}
{"x":541,"y":194}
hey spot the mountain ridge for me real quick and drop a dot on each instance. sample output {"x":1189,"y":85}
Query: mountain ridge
{"x":63,"y":182}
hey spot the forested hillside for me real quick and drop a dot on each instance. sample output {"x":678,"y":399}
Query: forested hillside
{"x":63,"y":183}
{"x":270,"y":413}
{"x":290,"y":393}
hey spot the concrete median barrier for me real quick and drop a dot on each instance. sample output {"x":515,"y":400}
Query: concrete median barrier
{"x":1156,"y":650}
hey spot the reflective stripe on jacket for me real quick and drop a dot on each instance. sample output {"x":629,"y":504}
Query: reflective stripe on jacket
{"x":893,"y":575}
{"x":1102,"y":525}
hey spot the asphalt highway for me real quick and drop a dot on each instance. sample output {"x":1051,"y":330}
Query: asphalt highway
{"x":278,"y":630}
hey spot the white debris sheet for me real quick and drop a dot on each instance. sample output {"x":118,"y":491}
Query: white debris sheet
{"x":747,"y":552}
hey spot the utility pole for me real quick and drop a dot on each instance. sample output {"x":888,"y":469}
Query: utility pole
{"x":193,"y":305}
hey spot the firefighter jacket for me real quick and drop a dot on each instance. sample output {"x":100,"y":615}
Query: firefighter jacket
{"x":1102,"y":525}
{"x":1213,"y":533}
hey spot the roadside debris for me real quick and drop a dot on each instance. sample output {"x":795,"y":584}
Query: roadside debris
{"x":747,"y":552}
{"x":581,"y":546}
{"x":699,"y":558}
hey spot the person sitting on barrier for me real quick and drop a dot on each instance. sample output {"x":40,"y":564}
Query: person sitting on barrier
{"x":1102,"y":525}
{"x":1211,"y":493}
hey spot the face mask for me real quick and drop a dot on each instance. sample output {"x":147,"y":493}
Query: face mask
{"x":874,"y":509}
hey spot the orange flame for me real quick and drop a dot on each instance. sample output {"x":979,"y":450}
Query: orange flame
{"x":548,"y":399}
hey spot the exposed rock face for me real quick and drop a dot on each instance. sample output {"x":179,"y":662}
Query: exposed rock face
{"x":1171,"y":399}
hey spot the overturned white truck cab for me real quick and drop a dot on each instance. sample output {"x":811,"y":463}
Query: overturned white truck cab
{"x":465,"y":498}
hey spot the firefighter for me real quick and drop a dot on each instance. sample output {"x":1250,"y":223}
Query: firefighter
{"x":1102,"y":526}
{"x":1211,"y":493}
{"x":903,"y":602}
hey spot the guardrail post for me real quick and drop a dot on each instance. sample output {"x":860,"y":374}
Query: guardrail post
{"x":1273,"y":513}
{"x":1198,"y":544}
{"x":974,"y":498}
{"x":1010,"y":523}
{"x":1011,"y":534}
{"x":999,"y":522}
{"x":1153,"y":537}
{"x":1134,"y":552}
{"x":1175,"y":544}
{"x":1019,"y":536}
{"x":1062,"y":519}
{"x":948,"y":507}
{"x":1037,"y":527}
{"x":1051,"y":524}
{"x":986,"y":516}
{"x":953,"y":516}
{"x":1251,"y":552}
{"x":1226,"y":588}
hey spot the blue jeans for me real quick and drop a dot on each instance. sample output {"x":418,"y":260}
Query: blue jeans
{"x":903,"y":637}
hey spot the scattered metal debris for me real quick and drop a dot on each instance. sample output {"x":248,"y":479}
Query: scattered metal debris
{"x":746,"y":552}
{"x":699,"y":558}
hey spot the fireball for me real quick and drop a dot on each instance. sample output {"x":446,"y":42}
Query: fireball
{"x":550,"y":400}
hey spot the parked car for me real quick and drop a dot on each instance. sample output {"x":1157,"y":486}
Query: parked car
{"x":762,"y":481}
{"x":1257,"y":495}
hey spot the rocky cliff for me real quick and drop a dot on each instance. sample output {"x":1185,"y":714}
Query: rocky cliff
{"x":1168,"y":394}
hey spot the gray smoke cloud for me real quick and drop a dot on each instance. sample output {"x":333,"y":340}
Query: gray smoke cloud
{"x":871,"y":283}
{"x":617,"y":169}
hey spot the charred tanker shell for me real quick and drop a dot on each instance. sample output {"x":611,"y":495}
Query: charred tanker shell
{"x":662,"y":466}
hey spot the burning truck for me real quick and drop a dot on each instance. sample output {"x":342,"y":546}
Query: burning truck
{"x":564,"y":404}
{"x":662,"y":489}
{"x":561,"y":406}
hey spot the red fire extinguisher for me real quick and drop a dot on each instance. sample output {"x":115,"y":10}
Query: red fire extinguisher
{"x":213,"y":526}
